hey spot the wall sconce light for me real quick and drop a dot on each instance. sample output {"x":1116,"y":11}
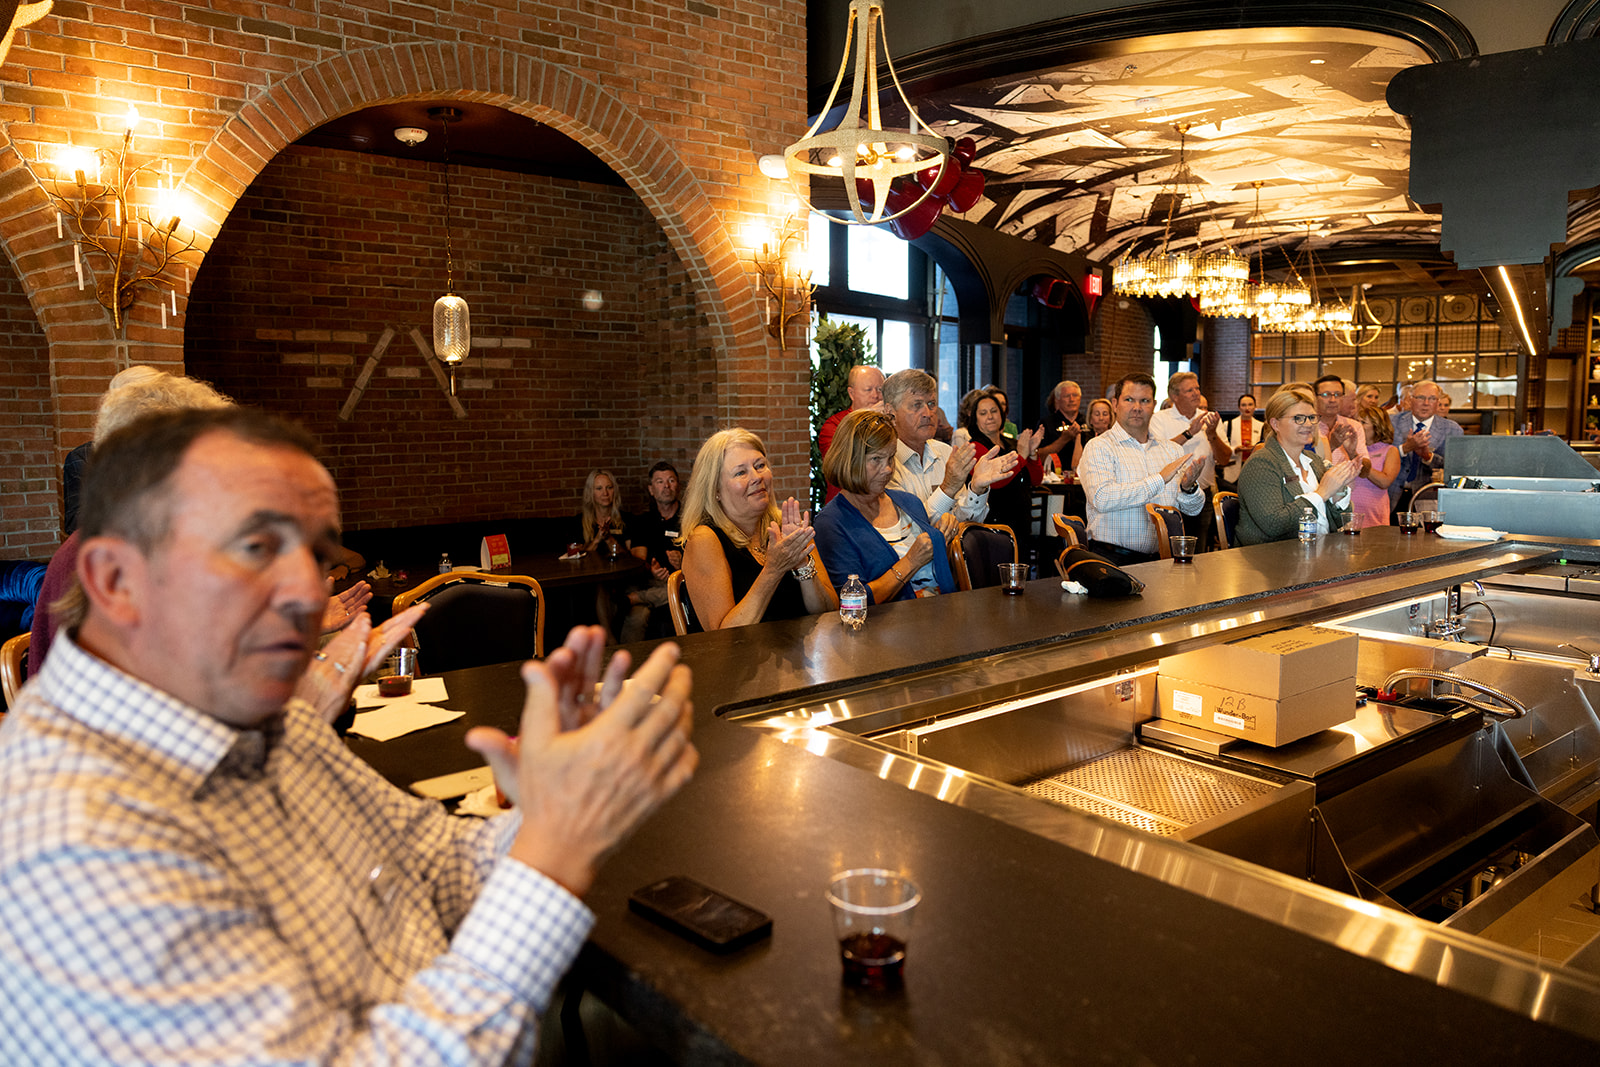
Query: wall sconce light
{"x":788,"y":288}
{"x":137,"y":248}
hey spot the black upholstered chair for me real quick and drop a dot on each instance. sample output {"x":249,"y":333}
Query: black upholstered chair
{"x":1168,"y":523}
{"x":977,"y":551}
{"x":476,"y":618}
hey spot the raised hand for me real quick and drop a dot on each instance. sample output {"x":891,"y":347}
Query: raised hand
{"x":962,"y":458}
{"x":344,"y":607}
{"x":993,"y":467}
{"x":582,"y":790}
{"x":1178,"y":467}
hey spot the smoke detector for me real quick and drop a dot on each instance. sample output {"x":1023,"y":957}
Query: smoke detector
{"x":410,"y":135}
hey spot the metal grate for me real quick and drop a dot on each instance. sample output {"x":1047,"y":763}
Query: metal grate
{"x":1148,"y":790}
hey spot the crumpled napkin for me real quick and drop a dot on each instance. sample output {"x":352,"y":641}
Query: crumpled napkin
{"x":1075,"y":587}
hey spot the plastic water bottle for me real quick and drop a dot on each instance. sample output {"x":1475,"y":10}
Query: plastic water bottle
{"x":853,"y":603}
{"x":444,"y":563}
{"x":1308,"y":525}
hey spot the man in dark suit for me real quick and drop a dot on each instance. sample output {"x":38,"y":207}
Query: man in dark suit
{"x":1422,"y":434}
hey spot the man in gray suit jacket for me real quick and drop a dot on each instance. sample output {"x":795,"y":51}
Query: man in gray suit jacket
{"x":1422,"y":434}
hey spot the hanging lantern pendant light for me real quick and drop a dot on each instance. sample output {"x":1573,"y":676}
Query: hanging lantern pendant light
{"x":452,"y":331}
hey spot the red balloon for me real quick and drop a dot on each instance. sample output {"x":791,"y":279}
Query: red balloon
{"x":968,"y":191}
{"x":917,"y":221}
{"x":940,"y":185}
{"x":966,"y":150}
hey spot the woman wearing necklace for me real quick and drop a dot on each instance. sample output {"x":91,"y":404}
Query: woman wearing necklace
{"x":881,"y":534}
{"x":745,"y":559}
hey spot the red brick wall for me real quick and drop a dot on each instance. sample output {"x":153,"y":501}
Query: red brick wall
{"x":1120,"y":342}
{"x":1225,"y":361}
{"x":290,"y":304}
{"x":679,"y":99}
{"x":30,"y":525}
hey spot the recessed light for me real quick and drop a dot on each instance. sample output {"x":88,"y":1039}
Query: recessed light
{"x":952,"y":122}
{"x":1318,"y":62}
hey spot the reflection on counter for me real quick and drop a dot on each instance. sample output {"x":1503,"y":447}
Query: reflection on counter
{"x":1461,"y":804}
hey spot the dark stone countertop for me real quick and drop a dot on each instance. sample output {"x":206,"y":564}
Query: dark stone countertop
{"x":1023,"y":951}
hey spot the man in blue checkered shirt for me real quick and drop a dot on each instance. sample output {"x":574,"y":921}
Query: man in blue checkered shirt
{"x":193,"y":867}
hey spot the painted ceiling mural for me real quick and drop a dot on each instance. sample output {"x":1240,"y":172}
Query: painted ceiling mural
{"x":1086,"y":157}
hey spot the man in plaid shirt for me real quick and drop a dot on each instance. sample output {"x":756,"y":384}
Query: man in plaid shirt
{"x":193,"y":867}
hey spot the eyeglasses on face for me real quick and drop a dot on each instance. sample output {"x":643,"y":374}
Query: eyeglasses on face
{"x":1303,"y":420}
{"x":1330,"y":396}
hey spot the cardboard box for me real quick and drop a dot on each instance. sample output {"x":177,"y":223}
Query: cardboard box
{"x":1264,"y":720}
{"x":1275,"y":665}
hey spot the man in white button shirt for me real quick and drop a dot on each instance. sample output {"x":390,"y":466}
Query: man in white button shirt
{"x":1192,"y":428}
{"x":1130,"y":466}
{"x":932,"y":471}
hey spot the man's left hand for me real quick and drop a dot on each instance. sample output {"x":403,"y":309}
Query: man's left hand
{"x":344,"y":607}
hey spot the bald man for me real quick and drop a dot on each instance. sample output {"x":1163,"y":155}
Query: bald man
{"x":865,"y":387}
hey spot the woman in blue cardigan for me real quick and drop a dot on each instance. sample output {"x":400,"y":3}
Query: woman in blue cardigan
{"x":881,"y":534}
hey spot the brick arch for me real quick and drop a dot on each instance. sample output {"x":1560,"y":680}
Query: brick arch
{"x":549,"y":92}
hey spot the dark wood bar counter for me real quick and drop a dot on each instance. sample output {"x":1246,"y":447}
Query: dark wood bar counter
{"x":1025,"y":950}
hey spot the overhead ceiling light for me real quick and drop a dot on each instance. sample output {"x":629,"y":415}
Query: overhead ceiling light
{"x":410,"y":135}
{"x":1318,"y":62}
{"x":1169,"y":273}
{"x":857,"y":148}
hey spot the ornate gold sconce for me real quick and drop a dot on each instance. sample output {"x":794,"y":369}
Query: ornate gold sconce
{"x":788,"y":289}
{"x":137,"y":247}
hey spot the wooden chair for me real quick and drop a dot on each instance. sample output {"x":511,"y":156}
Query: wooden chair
{"x":13,"y":666}
{"x":677,"y":603}
{"x":1168,"y":522}
{"x":976,"y":552}
{"x":476,"y":618}
{"x":1073,"y":529}
{"x":1225,"y":507}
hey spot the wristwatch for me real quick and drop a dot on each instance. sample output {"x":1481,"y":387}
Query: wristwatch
{"x":1188,"y":435}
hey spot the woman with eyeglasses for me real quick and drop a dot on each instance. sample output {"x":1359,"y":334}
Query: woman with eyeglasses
{"x":1282,"y":476}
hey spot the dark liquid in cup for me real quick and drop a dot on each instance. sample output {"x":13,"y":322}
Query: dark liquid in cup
{"x":1011,"y":590}
{"x":1432,"y":525}
{"x":1350,"y":530}
{"x":873,"y":961}
{"x":1406,"y":528}
{"x":1182,"y":559}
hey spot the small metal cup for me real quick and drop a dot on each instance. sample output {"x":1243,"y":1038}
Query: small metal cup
{"x":403,"y":661}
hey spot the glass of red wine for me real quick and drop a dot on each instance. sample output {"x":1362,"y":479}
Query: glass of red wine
{"x":872,"y":910}
{"x":1432,"y":519}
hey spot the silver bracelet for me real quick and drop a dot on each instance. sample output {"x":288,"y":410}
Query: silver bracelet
{"x":807,"y":572}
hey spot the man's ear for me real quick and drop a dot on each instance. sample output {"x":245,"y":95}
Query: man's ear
{"x":111,"y":572}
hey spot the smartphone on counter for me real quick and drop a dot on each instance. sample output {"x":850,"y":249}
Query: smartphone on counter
{"x":699,"y":913}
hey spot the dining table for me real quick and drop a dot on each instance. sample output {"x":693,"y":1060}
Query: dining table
{"x":571,"y":584}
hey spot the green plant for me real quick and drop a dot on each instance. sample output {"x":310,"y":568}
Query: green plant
{"x":837,"y":347}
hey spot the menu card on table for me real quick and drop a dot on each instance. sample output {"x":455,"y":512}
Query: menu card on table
{"x":494,"y":553}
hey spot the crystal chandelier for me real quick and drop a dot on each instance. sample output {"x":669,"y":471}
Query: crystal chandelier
{"x":1263,"y":301}
{"x":1209,"y":275}
{"x":1310,"y":315}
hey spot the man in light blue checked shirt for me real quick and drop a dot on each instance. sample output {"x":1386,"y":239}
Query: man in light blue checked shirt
{"x":1126,"y":468}
{"x":194,"y":868}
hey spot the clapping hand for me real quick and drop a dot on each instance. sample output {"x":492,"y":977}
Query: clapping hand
{"x":789,"y":542}
{"x":590,"y":766}
{"x":357,"y":651}
{"x":1028,"y":442}
{"x":343,"y":607}
{"x":963,"y":456}
{"x":1178,"y":468}
{"x":1337,"y":478}
{"x":993,"y":467}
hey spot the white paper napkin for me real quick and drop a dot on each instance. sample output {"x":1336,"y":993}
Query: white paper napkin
{"x":399,"y":717}
{"x":1470,"y":533}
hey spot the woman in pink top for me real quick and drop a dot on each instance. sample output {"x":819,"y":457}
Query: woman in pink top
{"x":1369,"y":493}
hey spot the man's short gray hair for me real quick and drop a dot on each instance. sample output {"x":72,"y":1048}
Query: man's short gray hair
{"x":902,"y":383}
{"x":133,"y":396}
{"x":1178,"y":379}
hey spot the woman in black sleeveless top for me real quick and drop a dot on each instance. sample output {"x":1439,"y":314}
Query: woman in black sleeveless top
{"x":745,"y":559}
